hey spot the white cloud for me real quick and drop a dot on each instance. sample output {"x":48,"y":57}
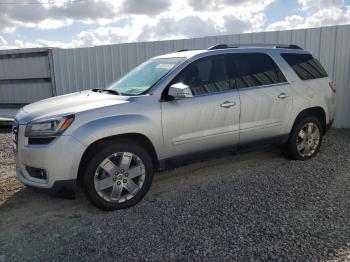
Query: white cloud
{"x":184,"y":25}
{"x":323,"y":17}
{"x":150,"y":19}
{"x":148,"y":7}
{"x":3,"y":42}
{"x":252,"y":5}
{"x":46,"y":24}
{"x":290,"y":22}
{"x":83,"y":39}
{"x":116,"y":34}
{"x":22,"y":44}
{"x":328,"y":16}
{"x":145,"y":20}
{"x":240,"y":24}
{"x":6,"y":26}
{"x":170,"y":27}
{"x":56,"y":15}
{"x":319,"y":4}
{"x":347,"y":14}
{"x":49,"y":16}
{"x":162,"y":27}
{"x":87,"y":38}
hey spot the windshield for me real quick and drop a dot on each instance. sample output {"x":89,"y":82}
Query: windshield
{"x":143,"y":77}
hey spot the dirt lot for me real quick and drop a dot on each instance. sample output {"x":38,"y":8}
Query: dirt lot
{"x":252,"y":206}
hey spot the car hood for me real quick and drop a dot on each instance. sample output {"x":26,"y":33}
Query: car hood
{"x":67,"y":104}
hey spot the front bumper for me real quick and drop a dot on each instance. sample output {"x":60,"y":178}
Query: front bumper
{"x":60,"y":188}
{"x":60,"y":159}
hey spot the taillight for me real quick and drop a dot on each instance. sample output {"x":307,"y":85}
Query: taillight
{"x":332,"y":86}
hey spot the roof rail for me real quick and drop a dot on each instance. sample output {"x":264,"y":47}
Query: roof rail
{"x":181,"y":50}
{"x":224,"y":46}
{"x":219,"y":46}
{"x":292,"y":46}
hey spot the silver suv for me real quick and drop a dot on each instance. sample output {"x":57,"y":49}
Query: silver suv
{"x":172,"y":106}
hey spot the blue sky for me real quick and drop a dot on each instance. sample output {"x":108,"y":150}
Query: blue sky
{"x":278,"y":10}
{"x":80,"y":23}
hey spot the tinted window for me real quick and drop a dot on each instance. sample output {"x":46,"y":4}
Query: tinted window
{"x":207,"y":75}
{"x":249,"y":70}
{"x":305,"y":66}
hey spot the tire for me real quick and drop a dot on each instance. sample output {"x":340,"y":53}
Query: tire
{"x":107,"y":181}
{"x":304,"y":145}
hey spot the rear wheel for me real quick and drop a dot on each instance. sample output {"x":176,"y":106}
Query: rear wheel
{"x":305,"y":139}
{"x":118,"y":176}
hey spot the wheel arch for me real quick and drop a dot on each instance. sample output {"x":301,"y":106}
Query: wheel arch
{"x":141,"y":139}
{"x":316,"y":111}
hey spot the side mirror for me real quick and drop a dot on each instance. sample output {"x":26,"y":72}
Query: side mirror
{"x":180,"y":90}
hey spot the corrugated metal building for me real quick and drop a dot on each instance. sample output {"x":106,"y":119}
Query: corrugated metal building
{"x":25,"y":76}
{"x":34,"y":74}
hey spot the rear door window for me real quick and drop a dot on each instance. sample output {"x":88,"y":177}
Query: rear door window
{"x":305,"y":66}
{"x":254,"y":69}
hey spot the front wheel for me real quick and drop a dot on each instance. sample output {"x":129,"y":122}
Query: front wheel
{"x":305,"y":139}
{"x":118,"y":175}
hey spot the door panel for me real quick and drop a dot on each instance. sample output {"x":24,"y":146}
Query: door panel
{"x":264,"y":93}
{"x":200,"y":123}
{"x":208,"y":120}
{"x":264,"y":111}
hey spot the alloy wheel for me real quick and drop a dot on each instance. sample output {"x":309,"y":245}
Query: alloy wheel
{"x":119,"y":177}
{"x":308,"y":139}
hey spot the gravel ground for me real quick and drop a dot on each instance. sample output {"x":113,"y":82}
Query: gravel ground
{"x":251,"y":206}
{"x":8,"y":183}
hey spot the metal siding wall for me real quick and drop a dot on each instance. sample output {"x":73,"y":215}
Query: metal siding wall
{"x":327,"y":49}
{"x":24,"y":76}
{"x":312,"y":42}
{"x":24,"y":93}
{"x":86,"y":68}
{"x":342,"y":76}
{"x":284,"y":37}
{"x":19,"y":68}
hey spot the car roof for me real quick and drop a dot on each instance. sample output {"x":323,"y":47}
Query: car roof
{"x":187,"y":54}
{"x":190,"y":53}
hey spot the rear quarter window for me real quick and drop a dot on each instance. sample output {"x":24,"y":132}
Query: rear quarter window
{"x":305,"y":66}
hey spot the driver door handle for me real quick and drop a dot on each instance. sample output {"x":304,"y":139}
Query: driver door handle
{"x":228,"y":104}
{"x":283,"y":96}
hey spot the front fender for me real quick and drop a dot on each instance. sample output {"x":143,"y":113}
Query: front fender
{"x":95,"y":130}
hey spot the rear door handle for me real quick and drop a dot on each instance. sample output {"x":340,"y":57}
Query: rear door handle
{"x":282,"y":96}
{"x":228,"y":104}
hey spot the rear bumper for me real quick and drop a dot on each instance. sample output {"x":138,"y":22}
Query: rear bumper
{"x":329,"y":125}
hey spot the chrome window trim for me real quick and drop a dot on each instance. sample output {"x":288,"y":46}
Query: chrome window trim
{"x":213,"y":93}
{"x":263,"y":86}
{"x":231,"y":90}
{"x":238,"y":89}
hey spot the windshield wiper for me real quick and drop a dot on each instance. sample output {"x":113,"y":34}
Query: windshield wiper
{"x":101,"y":90}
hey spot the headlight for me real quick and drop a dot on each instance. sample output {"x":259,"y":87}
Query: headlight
{"x":49,"y":127}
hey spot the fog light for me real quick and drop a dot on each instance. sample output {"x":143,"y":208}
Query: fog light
{"x":37,"y":172}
